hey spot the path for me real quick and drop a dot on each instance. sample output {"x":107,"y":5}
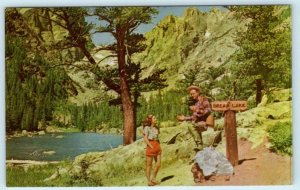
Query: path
{"x":258,"y":166}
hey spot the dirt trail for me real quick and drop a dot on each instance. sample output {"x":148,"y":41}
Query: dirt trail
{"x":257,"y":166}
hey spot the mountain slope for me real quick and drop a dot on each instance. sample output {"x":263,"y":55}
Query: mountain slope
{"x":177,"y":43}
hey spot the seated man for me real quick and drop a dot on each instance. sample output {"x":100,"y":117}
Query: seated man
{"x":201,"y":111}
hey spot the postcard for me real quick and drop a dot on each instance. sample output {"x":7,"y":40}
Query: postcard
{"x":148,"y":96}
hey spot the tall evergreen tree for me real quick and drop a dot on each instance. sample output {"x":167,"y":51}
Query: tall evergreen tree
{"x":265,"y":48}
{"x":121,"y":23}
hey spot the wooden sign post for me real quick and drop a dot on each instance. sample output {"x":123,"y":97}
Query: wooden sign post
{"x":229,"y":107}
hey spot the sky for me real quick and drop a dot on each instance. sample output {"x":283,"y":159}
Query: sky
{"x":100,"y":39}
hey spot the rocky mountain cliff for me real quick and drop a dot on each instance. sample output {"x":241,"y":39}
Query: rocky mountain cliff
{"x":177,"y":43}
{"x":41,"y":32}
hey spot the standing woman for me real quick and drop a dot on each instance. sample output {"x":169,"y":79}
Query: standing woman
{"x":153,"y":150}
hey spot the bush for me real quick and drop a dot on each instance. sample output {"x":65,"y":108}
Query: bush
{"x":280,"y":136}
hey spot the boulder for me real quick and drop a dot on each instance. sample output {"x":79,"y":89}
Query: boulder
{"x":24,"y":132}
{"x":41,"y":133}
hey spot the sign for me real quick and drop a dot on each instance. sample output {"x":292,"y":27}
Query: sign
{"x":229,"y":105}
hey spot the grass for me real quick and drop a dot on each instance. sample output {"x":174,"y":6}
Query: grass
{"x":17,"y":176}
{"x":34,"y":176}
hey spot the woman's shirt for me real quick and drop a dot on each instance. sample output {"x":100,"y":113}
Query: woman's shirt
{"x":151,"y":132}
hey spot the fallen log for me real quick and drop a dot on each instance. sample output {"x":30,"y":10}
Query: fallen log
{"x":29,"y":162}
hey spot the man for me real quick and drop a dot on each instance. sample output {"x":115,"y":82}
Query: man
{"x":201,"y":111}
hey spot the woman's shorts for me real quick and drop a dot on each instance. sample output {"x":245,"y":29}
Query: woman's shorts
{"x":156,"y":150}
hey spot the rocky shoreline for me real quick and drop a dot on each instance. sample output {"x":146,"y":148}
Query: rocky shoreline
{"x":112,"y":131}
{"x":25,"y":133}
{"x":51,"y":129}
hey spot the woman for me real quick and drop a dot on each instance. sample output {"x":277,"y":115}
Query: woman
{"x":153,"y":150}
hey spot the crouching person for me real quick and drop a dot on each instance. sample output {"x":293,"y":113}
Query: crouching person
{"x":197,"y":173}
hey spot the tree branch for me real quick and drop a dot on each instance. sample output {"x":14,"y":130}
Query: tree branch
{"x":109,"y":48}
{"x":112,"y":85}
{"x":106,"y":58}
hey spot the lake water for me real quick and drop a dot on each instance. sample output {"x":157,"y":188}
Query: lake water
{"x":71,"y":145}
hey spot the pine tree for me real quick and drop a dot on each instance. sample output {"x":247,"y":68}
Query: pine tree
{"x":265,"y":48}
{"x":28,"y":99}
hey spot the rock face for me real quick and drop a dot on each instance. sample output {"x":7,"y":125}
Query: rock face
{"x":42,"y":33}
{"x":176,"y":43}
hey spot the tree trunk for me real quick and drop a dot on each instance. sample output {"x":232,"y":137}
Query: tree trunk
{"x":135,"y":104}
{"x":258,"y":90}
{"x":128,"y":115}
{"x":231,"y":137}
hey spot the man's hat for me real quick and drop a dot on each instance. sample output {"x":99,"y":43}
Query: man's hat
{"x":193,"y":87}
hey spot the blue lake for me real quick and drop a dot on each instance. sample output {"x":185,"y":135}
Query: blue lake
{"x":71,"y":145}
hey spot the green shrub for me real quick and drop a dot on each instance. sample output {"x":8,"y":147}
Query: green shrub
{"x":280,"y":136}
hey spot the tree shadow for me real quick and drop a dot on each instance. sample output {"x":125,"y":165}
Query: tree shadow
{"x":245,"y":159}
{"x":166,"y":178}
